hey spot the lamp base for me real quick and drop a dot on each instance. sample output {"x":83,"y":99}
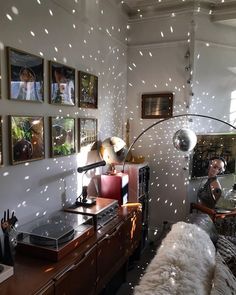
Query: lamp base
{"x":89,"y":201}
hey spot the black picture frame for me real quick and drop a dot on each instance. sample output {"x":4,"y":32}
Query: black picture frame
{"x":213,"y":145}
{"x":88,"y":90}
{"x":62,"y":139}
{"x":157,"y":105}
{"x":26,"y":139}
{"x":61,"y":84}
{"x":25,"y":76}
{"x":87,"y":133}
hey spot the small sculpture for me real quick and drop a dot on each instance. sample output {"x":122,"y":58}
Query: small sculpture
{"x":7,"y":224}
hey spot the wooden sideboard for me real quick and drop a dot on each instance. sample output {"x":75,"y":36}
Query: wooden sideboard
{"x":87,"y":269}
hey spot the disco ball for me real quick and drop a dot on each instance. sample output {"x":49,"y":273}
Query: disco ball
{"x":184,"y":140}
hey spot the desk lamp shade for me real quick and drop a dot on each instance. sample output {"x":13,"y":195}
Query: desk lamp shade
{"x":113,"y":150}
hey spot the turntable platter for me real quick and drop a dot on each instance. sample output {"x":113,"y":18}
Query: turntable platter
{"x":51,"y":234}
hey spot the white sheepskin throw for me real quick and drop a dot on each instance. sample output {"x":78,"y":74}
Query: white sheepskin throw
{"x":184,"y":264}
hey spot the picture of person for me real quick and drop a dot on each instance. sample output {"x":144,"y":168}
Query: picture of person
{"x":62,"y":84}
{"x":26,"y":76}
{"x":27,"y":87}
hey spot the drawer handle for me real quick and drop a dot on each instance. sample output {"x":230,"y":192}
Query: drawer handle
{"x":75,"y":266}
{"x":110,"y":236}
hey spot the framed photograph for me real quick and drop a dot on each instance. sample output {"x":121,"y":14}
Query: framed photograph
{"x":26,"y":138}
{"x":25,"y":76}
{"x":61,"y":84}
{"x":157,"y":105}
{"x":88,"y":90}
{"x":213,"y":145}
{"x":1,"y":155}
{"x":62,"y":136}
{"x":87,"y":131}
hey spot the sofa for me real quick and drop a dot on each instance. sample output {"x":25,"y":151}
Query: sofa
{"x":193,"y":259}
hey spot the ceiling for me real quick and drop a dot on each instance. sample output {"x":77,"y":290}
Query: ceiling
{"x":135,"y":8}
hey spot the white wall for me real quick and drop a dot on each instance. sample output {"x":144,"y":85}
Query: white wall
{"x":99,"y":47}
{"x":213,"y":82}
{"x":96,"y":32}
{"x":214,"y":71}
{"x":160,"y":67}
{"x":157,"y":64}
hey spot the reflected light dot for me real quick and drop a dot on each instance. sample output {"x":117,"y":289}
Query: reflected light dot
{"x":14,"y":10}
{"x":9,"y":17}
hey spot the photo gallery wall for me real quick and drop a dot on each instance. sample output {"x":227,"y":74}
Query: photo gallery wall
{"x":26,"y":133}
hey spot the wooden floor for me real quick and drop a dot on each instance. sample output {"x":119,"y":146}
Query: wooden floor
{"x":136,"y":270}
{"x":138,"y":267}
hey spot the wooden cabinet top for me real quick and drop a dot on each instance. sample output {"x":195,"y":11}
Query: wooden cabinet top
{"x":32,"y":274}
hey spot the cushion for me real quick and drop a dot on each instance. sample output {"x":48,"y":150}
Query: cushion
{"x":204,"y":222}
{"x":226,"y":248}
{"x":227,"y":251}
{"x":231,"y":239}
{"x":226,"y":226}
{"x":183,"y":265}
{"x":224,"y":282}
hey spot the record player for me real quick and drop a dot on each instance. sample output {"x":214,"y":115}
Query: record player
{"x":54,"y":236}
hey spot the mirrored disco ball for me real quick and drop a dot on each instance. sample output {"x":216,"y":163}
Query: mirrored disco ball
{"x":184,"y":140}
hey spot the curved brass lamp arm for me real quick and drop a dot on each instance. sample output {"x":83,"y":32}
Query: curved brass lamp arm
{"x":166,"y":119}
